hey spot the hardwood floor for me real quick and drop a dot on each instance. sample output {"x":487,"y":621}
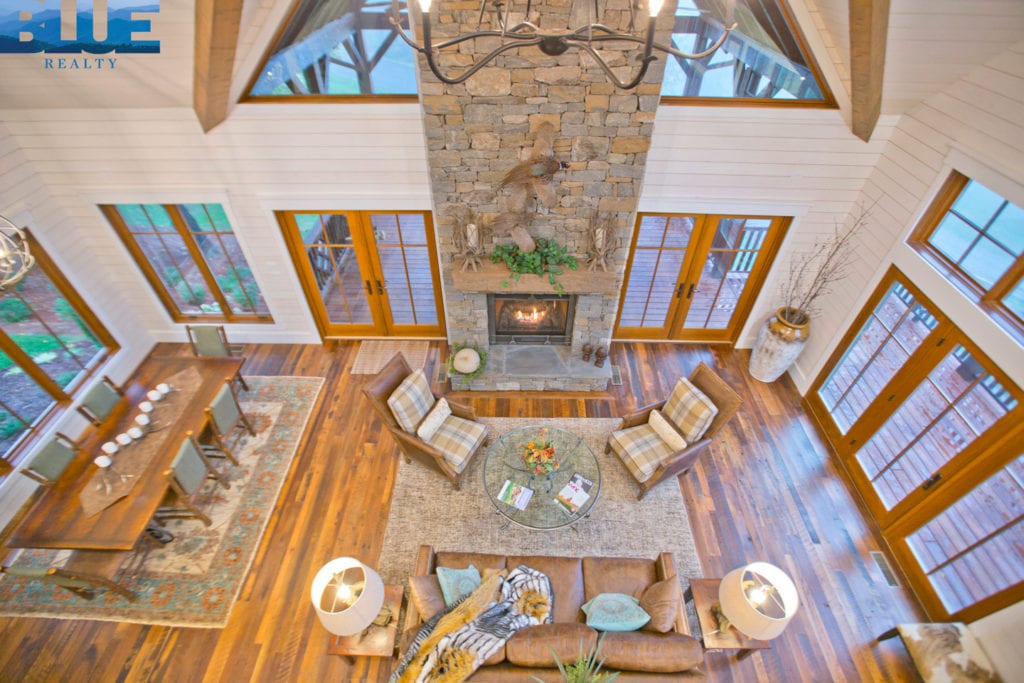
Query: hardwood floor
{"x":767,"y":491}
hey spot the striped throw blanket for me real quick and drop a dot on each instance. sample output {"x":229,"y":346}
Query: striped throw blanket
{"x":455,"y":642}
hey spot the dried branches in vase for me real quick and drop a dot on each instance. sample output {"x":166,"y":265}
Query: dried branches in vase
{"x":467,"y":237}
{"x":812,"y":274}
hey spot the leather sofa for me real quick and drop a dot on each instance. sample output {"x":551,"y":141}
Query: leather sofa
{"x":643,"y":655}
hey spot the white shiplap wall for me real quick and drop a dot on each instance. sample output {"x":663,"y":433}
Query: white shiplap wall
{"x":976,"y":126}
{"x":804,"y":164}
{"x":264,"y":157}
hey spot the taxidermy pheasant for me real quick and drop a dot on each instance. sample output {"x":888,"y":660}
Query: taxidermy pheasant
{"x":536,"y":172}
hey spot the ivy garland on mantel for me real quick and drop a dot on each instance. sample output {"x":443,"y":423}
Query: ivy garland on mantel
{"x":547,"y":259}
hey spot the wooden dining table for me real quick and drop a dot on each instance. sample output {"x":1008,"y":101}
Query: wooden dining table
{"x":58,"y":520}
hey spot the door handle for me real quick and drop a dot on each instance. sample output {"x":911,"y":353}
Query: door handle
{"x":932,"y":481}
{"x":689,"y":292}
{"x":369,"y":288}
{"x":380,"y":288}
{"x":679,"y":290}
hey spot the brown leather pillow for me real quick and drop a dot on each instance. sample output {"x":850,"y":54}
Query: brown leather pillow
{"x":425,"y":593}
{"x":661,"y":601}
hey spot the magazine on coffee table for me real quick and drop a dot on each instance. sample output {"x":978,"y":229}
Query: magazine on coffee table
{"x":516,"y":495}
{"x":575,"y":493}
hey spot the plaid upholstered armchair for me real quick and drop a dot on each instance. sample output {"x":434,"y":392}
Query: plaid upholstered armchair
{"x":663,"y":440}
{"x":439,"y":434}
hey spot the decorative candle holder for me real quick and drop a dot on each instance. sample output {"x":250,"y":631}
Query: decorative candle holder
{"x":146,"y":407}
{"x":136,"y":432}
{"x":123,"y":439}
{"x":109,"y":448}
{"x":163,"y":388}
{"x":599,"y":356}
{"x":587,"y":350}
{"x":154,"y":395}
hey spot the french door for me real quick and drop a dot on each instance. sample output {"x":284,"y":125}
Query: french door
{"x":367,"y":273}
{"x":694,"y":278}
{"x":919,"y":417}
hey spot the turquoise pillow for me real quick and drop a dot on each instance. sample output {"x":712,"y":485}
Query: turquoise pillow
{"x":457,"y":582}
{"x":615,"y":612}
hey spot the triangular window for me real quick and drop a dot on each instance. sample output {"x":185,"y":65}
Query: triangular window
{"x":338,"y":47}
{"x":763,"y":60}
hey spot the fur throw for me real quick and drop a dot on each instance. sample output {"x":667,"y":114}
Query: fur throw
{"x":455,"y":642}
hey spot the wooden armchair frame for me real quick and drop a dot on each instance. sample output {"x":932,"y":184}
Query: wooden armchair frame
{"x":725,"y":399}
{"x":413,"y":447}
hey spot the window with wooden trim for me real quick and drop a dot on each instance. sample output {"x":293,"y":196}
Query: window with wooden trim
{"x":338,"y":48}
{"x":50,"y":341}
{"x":764,"y":60}
{"x":975,"y":237}
{"x":192,"y":259}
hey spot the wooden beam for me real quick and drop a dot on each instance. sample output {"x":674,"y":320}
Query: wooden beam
{"x":869,"y":27}
{"x":216,"y":39}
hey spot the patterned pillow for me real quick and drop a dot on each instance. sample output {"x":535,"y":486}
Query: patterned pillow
{"x":434,"y":419}
{"x":411,"y":401}
{"x":664,"y":429}
{"x":457,"y":582}
{"x":615,"y":612}
{"x":690,"y":410}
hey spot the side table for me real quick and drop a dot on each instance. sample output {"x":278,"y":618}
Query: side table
{"x":704,"y":593}
{"x":375,"y":641}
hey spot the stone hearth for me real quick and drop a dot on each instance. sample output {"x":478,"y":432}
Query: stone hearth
{"x":537,"y":368}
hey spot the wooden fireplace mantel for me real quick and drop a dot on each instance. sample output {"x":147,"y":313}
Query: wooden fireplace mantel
{"x":491,"y":276}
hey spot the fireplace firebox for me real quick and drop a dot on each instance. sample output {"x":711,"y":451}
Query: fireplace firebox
{"x":530,"y":318}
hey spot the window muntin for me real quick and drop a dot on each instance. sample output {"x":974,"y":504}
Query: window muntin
{"x":342,"y":47}
{"x":49,"y":342}
{"x":763,"y":60}
{"x":192,"y":259}
{"x":976,"y":238}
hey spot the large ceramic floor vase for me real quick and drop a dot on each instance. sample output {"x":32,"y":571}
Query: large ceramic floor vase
{"x":779,"y":343}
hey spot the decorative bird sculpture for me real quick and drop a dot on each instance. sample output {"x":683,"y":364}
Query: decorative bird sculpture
{"x":536,"y":172}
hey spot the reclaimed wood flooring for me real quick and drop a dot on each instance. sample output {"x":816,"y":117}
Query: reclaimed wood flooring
{"x":768,"y":490}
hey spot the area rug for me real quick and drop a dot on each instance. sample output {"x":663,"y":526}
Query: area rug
{"x":426,"y":510}
{"x":194,"y":580}
{"x":375,"y":353}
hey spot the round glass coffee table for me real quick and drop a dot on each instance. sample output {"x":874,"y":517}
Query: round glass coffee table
{"x":537,"y":496}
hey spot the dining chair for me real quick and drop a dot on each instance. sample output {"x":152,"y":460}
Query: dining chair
{"x":86,"y":573}
{"x":100,"y":400}
{"x":51,"y":460}
{"x":211,"y":341}
{"x":223,"y":416}
{"x":186,"y":476}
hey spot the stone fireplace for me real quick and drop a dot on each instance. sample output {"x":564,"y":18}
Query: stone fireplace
{"x":479,"y":129}
{"x":530,"y":318}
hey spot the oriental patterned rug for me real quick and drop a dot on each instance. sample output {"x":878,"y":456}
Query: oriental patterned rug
{"x":426,"y":510}
{"x":373,"y":354}
{"x":195,"y":579}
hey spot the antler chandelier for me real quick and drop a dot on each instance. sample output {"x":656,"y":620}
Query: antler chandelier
{"x":15,"y":259}
{"x":525,"y":33}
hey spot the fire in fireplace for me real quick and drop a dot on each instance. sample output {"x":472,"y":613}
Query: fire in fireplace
{"x":530,"y":318}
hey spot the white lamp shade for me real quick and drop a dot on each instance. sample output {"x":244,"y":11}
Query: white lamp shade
{"x":348,"y":619}
{"x":743,"y":613}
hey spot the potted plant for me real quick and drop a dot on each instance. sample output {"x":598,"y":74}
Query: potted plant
{"x":586,"y":668}
{"x":812,"y":274}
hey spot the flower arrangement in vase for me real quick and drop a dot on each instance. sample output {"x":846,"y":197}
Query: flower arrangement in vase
{"x":539,"y":457}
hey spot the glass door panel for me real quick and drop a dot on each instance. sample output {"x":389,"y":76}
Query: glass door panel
{"x":403,"y":255}
{"x":893,"y":331}
{"x":957,"y":402}
{"x":328,"y":242}
{"x":649,"y":300}
{"x":971,"y":550}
